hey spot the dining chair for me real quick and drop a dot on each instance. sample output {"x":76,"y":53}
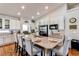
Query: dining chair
{"x":31,"y":50}
{"x":63,"y":50}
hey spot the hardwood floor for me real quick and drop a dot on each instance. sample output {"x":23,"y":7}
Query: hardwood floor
{"x":9,"y":50}
{"x":73,"y":52}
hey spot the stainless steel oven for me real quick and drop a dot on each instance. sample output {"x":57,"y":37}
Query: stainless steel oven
{"x":43,"y":30}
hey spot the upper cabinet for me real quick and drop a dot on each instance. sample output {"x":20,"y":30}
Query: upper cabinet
{"x":7,"y":22}
{"x":0,"y":23}
{"x":14,"y":24}
{"x":44,"y":21}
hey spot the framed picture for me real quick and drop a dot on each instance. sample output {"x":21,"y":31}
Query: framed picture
{"x":72,"y":20}
{"x":73,"y":26}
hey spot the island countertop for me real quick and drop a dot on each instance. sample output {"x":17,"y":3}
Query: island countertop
{"x":45,"y":42}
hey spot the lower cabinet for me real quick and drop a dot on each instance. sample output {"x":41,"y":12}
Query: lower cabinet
{"x":5,"y":48}
{"x":6,"y":39}
{"x":1,"y":40}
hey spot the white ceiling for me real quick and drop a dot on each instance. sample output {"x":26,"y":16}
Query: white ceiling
{"x":29,"y":11}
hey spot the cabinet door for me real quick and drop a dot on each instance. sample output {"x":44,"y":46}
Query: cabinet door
{"x":7,"y":39}
{"x":1,"y":40}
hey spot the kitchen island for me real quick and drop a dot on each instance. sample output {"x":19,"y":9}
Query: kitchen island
{"x":48,"y":43}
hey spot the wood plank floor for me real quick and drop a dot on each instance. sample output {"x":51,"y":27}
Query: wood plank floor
{"x":9,"y":50}
{"x":73,"y":52}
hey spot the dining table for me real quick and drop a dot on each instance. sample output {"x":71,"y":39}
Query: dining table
{"x":48,"y":43}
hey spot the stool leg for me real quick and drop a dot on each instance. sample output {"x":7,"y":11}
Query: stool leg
{"x":15,"y":47}
{"x":19,"y":51}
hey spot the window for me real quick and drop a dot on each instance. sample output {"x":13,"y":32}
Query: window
{"x":7,"y":24}
{"x":26,"y":27}
{"x":0,"y":23}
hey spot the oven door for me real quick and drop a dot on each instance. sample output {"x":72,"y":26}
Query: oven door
{"x":43,"y":30}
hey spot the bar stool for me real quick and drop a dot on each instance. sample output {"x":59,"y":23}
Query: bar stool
{"x":16,"y":44}
{"x":23,"y":52}
{"x":31,"y":50}
{"x":63,"y":50}
{"x":19,"y":44}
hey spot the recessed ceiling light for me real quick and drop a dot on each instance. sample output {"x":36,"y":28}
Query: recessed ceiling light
{"x":32,"y":17}
{"x":22,"y":7}
{"x":38,"y":13}
{"x":46,"y":7}
{"x":19,"y":13}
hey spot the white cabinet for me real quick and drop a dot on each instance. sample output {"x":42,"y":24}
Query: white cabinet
{"x":6,"y":38}
{"x":1,"y":40}
{"x":14,"y":24}
{"x":41,"y":22}
{"x":44,"y":21}
{"x":2,"y":36}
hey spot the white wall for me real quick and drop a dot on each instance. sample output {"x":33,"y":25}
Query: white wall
{"x":55,"y":17}
{"x":73,"y":34}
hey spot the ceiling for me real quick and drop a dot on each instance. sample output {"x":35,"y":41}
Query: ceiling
{"x":30,"y":9}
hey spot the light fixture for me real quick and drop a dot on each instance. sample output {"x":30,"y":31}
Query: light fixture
{"x":32,"y":17}
{"x":38,"y":13}
{"x":22,"y":7}
{"x":46,"y":7}
{"x":18,"y":13}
